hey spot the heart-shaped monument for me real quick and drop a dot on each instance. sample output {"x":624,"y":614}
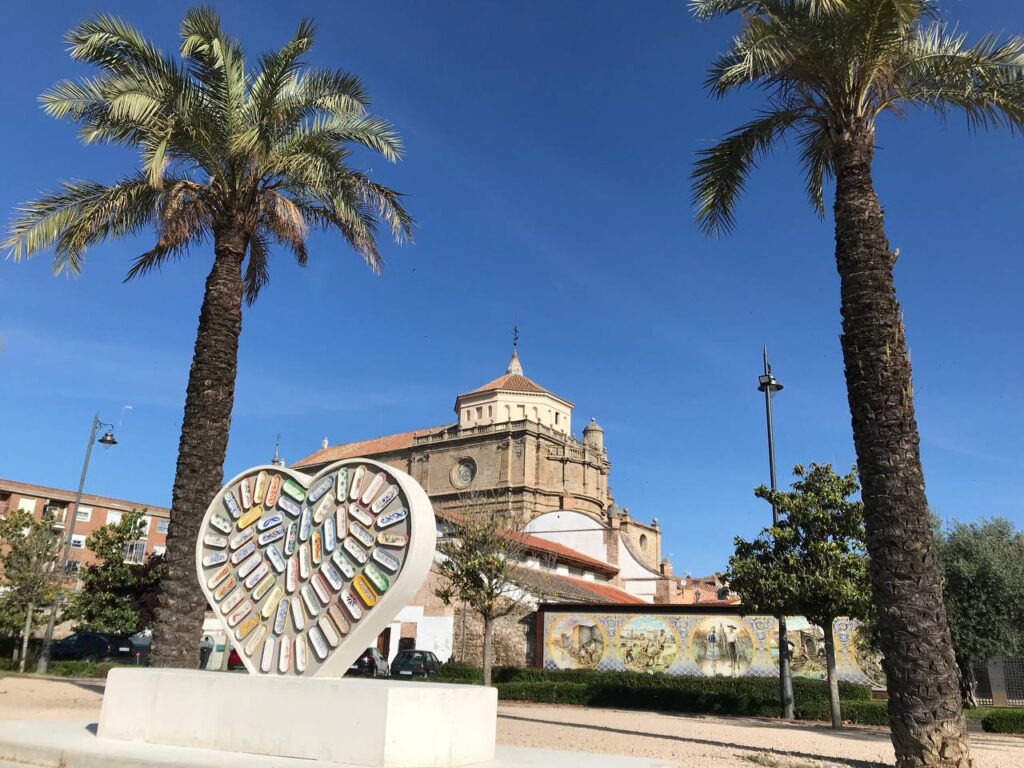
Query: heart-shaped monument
{"x":305,"y":572}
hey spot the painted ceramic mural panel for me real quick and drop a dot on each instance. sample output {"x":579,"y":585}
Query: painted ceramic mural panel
{"x":703,"y":645}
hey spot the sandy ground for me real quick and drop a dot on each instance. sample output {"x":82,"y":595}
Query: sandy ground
{"x":695,"y":741}
{"x":28,"y":698}
{"x":686,"y":740}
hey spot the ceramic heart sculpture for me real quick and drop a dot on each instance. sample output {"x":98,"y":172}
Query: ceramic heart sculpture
{"x":305,"y":572}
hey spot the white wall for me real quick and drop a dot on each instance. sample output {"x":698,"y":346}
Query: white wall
{"x":571,"y":529}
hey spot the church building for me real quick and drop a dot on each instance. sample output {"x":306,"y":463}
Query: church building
{"x":512,"y":444}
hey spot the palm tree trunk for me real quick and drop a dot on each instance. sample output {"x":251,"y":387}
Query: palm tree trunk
{"x":204,"y":439}
{"x":488,"y":648}
{"x":25,"y":637}
{"x":924,"y":699}
{"x":833,"y":682}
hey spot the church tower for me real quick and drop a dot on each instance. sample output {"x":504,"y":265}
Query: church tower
{"x":513,"y":398}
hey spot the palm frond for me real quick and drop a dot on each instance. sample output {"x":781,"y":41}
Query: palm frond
{"x":985,"y":80}
{"x":816,"y":154}
{"x":721,"y":172}
{"x":81,"y":214}
{"x":257,"y":269}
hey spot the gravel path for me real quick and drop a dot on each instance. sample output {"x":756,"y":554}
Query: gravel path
{"x":695,"y":741}
{"x":692,"y":741}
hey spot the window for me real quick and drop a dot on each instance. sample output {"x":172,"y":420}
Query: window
{"x":146,"y":522}
{"x":479,"y":412}
{"x":643,"y":541}
{"x":135,"y":552}
{"x":162,"y":526}
{"x":113,"y":518}
{"x":83,"y":514}
{"x":159,"y":550}
{"x":78,"y":541}
{"x":71,"y":567}
{"x":490,"y":412}
{"x":556,"y":418}
{"x":27,"y":505}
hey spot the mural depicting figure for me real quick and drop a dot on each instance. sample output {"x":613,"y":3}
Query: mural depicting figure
{"x":647,"y":644}
{"x":722,"y":646}
{"x":693,"y":643}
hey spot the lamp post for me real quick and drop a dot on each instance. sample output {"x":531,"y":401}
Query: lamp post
{"x":107,"y":440}
{"x":768,"y":384}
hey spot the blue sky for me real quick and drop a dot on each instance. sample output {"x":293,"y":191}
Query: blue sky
{"x":549,"y":147}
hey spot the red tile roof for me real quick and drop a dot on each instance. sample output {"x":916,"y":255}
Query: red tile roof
{"x":512,"y":382}
{"x":564,"y":554}
{"x":547,"y":585}
{"x":373,"y":447}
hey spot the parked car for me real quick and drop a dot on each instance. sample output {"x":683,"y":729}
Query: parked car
{"x":95,"y":646}
{"x":414,"y":664}
{"x":370,"y":664}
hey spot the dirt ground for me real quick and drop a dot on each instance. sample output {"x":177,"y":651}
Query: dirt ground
{"x":692,"y":741}
{"x":29,"y":698}
{"x":695,"y":741}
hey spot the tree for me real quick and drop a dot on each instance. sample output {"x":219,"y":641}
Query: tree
{"x":831,"y":68}
{"x":116,"y":590}
{"x":242,"y":155}
{"x":983,"y":586}
{"x":29,"y":576}
{"x":480,"y":560}
{"x":811,"y":564}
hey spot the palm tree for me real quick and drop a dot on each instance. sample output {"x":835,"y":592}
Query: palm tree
{"x":830,"y":69}
{"x":244,"y":156}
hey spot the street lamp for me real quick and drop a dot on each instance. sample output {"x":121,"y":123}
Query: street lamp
{"x":106,"y":441}
{"x":768,"y":384}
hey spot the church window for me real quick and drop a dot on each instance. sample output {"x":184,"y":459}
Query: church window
{"x":522,"y":411}
{"x":556,"y":418}
{"x":490,"y":412}
{"x":479,"y":412}
{"x":643,"y":541}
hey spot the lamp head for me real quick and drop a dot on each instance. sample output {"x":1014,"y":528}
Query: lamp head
{"x":108,"y":439}
{"x":768,"y":382}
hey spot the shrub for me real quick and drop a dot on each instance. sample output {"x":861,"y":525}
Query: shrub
{"x":1004,"y":721}
{"x":81,"y":668}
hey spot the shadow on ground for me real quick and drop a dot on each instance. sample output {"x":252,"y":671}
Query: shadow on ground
{"x":746,"y":748}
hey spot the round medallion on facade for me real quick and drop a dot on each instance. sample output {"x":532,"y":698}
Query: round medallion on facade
{"x":463,"y":473}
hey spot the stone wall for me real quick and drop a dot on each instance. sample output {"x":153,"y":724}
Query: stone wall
{"x":513,"y":638}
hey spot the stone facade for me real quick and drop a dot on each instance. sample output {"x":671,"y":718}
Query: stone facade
{"x":512,"y":447}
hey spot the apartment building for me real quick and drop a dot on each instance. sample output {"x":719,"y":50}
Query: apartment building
{"x":94,"y":512}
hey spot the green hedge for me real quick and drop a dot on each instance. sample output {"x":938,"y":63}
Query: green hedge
{"x":749,"y":696}
{"x":1003,"y":721}
{"x":68,"y":668}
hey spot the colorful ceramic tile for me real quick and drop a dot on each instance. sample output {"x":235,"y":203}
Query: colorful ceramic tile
{"x":267,"y":659}
{"x":246,"y":627}
{"x":355,"y":610}
{"x":364,"y":590}
{"x":388,"y":561}
{"x":396,"y":540}
{"x":250,"y":565}
{"x":391,"y":518}
{"x":344,"y":565}
{"x":339,"y":620}
{"x":215,"y":559}
{"x":352,"y":547}
{"x":242,"y":538}
{"x":276,"y":559}
{"x":316,"y":547}
{"x":322,"y":510}
{"x":355,"y":487}
{"x":254,"y":578}
{"x":373,"y":489}
{"x":329,"y":632}
{"x":341,"y":490}
{"x":281,"y":617}
{"x":231,"y":505}
{"x":270,"y":536}
{"x":292,"y":539}
{"x":291,"y":488}
{"x":253,"y":643}
{"x":250,"y":517}
{"x":289,"y":506}
{"x":332,"y":575}
{"x":361,"y":534}
{"x":232,"y":601}
{"x":260,"y":488}
{"x":291,"y":579}
{"x":300,"y":654}
{"x":224,"y":588}
{"x":219,"y":576}
{"x":316,"y":640}
{"x":330,"y":537}
{"x":385,"y":498}
{"x":217,"y":542}
{"x":360,"y":514}
{"x":323,"y":485}
{"x":273,"y":492}
{"x":379,"y":580}
{"x":243,"y":552}
{"x":221,"y":523}
{"x":305,"y":524}
{"x":298,"y":617}
{"x":305,"y":567}
{"x":270,"y":607}
{"x":284,"y":658}
{"x":269,"y":522}
{"x":245,"y":491}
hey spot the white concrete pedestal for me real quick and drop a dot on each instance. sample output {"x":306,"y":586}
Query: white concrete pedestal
{"x":373,"y":723}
